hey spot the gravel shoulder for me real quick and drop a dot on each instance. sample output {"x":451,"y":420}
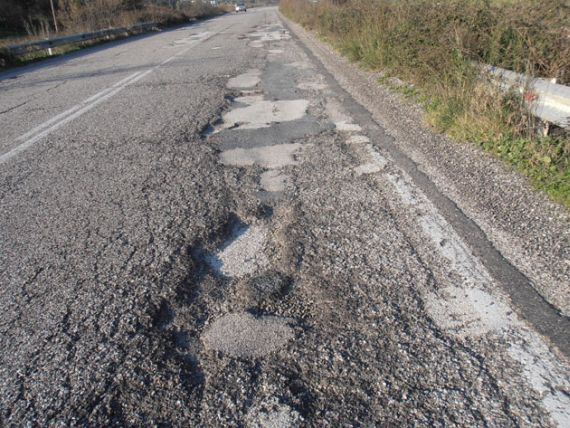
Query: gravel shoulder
{"x":528,"y":229}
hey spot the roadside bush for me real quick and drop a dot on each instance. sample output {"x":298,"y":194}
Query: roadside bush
{"x":435,"y":47}
{"x":19,"y":23}
{"x":77,"y":16}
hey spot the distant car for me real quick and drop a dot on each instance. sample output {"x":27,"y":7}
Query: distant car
{"x":240,"y":7}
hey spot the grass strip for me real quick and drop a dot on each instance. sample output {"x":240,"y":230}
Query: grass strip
{"x":433,"y":46}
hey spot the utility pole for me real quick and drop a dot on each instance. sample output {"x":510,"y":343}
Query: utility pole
{"x":53,"y":15}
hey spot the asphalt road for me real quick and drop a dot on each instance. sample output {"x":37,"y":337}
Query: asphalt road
{"x":202,"y":228}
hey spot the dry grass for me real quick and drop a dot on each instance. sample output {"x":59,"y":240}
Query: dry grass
{"x":434,"y":46}
{"x":75,"y":16}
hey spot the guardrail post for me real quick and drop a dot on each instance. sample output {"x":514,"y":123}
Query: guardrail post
{"x":546,"y":125}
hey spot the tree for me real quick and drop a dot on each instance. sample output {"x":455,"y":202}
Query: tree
{"x":18,"y":15}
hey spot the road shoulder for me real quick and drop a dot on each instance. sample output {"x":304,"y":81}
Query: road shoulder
{"x":526,"y":228}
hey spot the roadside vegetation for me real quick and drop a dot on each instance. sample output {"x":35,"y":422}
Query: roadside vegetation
{"x":435,"y":46}
{"x":27,"y":20}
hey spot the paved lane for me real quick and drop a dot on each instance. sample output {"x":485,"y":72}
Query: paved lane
{"x":40,"y":96}
{"x":99,"y":212}
{"x":202,"y":228}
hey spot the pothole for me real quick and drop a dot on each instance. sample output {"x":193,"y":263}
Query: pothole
{"x":256,"y":44}
{"x":467,"y":311}
{"x":271,"y":284}
{"x":312,"y":85}
{"x":267,"y":156}
{"x":210,"y":129}
{"x":243,"y":335}
{"x":275,"y":181}
{"x":347,"y":126}
{"x":273,"y":414}
{"x":263,"y":113}
{"x":243,"y":253}
{"x":164,"y":315}
{"x":358,"y":139}
{"x":248,"y":79}
{"x":367,"y":168}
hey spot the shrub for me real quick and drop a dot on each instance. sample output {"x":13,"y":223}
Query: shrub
{"x":436,"y":47}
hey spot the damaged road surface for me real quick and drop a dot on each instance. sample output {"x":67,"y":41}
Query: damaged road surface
{"x":203,"y":228}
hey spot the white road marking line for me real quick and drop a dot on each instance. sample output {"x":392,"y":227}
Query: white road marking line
{"x":56,"y":122}
{"x":74,"y":108}
{"x":28,"y":143}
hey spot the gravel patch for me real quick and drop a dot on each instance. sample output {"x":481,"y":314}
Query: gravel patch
{"x":243,"y":254}
{"x":272,"y":414}
{"x":243,"y":335}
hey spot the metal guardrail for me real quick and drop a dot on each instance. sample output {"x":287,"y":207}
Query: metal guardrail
{"x":547,"y":100}
{"x":23,"y":48}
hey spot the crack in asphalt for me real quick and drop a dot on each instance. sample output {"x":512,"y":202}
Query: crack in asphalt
{"x":13,"y":108}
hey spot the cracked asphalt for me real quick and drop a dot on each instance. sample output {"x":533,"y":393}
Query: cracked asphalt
{"x":202,"y":227}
